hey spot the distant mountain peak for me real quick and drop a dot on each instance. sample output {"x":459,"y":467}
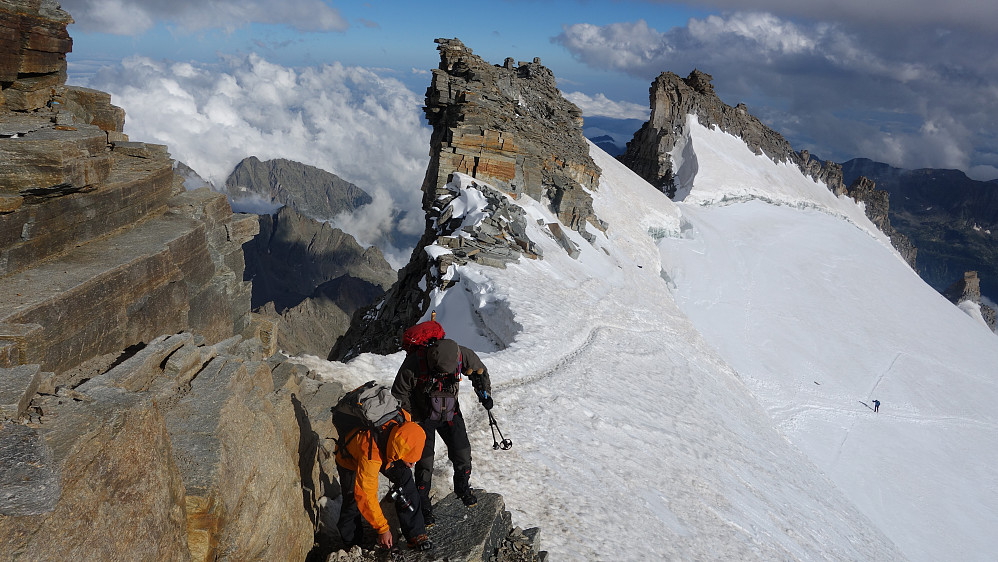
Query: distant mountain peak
{"x":311,"y":191}
{"x":673,"y":98}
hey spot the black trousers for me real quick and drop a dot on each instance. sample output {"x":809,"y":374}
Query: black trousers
{"x":351,"y":521}
{"x":455,"y":437}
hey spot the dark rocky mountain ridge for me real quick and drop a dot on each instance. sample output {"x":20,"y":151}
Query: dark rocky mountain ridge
{"x":952,"y":219}
{"x":313,"y":277}
{"x":312,"y":191}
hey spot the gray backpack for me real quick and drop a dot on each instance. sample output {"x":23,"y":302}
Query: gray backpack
{"x":369,"y":407}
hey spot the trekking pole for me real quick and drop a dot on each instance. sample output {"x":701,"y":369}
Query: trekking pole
{"x":505,"y":444}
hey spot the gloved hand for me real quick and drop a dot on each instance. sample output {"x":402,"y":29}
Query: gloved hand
{"x":486,"y":402}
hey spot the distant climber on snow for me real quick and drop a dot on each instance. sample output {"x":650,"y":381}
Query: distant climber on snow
{"x":427,"y":386}
{"x":876,"y":405}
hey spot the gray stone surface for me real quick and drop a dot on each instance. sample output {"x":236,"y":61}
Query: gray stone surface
{"x":17,"y":387}
{"x":121,"y":496}
{"x":469,"y":533}
{"x":29,"y":480}
{"x":481,"y":533}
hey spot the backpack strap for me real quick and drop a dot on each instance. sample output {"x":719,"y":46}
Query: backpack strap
{"x":376,"y":437}
{"x":343,"y":441}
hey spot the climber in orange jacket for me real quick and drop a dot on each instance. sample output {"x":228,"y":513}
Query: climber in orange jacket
{"x":359,"y":466}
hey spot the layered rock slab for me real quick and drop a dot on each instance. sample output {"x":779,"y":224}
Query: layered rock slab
{"x":118,"y":291}
{"x":508,"y":126}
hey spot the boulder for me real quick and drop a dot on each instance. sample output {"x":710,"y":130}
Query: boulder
{"x":121,"y":494}
{"x":236,"y":444}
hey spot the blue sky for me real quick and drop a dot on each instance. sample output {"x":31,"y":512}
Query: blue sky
{"x":388,"y":35}
{"x":906,"y":82}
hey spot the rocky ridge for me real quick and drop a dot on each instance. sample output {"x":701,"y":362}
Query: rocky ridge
{"x":505,"y":126}
{"x":673,"y":98}
{"x":951,"y":218}
{"x":508,"y":126}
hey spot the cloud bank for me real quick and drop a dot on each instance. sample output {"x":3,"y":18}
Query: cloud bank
{"x":962,"y":14}
{"x":363,"y":127}
{"x":133,"y":17}
{"x":913,"y":98}
{"x":601,"y":106}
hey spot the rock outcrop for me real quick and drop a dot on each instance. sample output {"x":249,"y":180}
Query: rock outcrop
{"x":312,"y":276}
{"x":673,"y":98}
{"x":160,"y":456}
{"x":99,"y":247}
{"x":503,"y":125}
{"x":139,"y":418}
{"x":508,"y":126}
{"x":877,"y":206}
{"x":969,"y":289}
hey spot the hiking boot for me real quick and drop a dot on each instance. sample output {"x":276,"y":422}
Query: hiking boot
{"x":468,"y":498}
{"x":420,"y":543}
{"x":428,"y":519}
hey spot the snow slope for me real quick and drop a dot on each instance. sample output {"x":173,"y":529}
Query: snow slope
{"x":633,"y":437}
{"x":819,"y":318}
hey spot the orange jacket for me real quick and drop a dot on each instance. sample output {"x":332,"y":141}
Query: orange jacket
{"x":367,"y":470}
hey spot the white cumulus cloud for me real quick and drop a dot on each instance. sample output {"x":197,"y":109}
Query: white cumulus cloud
{"x":348,"y":120}
{"x":968,"y":14}
{"x":133,"y":17}
{"x":601,"y":106}
{"x":913,"y":98}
